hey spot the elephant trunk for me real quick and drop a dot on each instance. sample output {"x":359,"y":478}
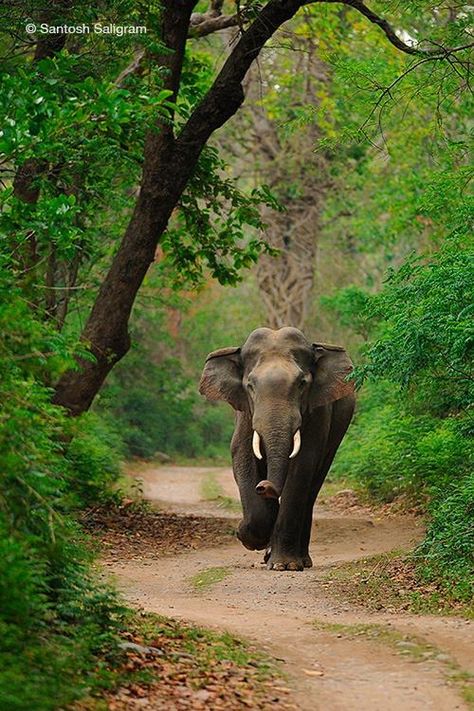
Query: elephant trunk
{"x":280,"y":444}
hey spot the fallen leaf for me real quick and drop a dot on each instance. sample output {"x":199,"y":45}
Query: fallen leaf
{"x":313,"y":672}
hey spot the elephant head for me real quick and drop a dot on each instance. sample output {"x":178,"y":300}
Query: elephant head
{"x":278,"y":378}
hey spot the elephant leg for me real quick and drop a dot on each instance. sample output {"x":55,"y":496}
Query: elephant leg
{"x":305,"y":535}
{"x":286,"y":543}
{"x":342,"y":412}
{"x":292,"y":531}
{"x":308,"y":522}
{"x":285,"y":547}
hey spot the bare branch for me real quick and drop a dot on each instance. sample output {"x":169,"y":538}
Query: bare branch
{"x":134,"y":67}
{"x":375,"y":19}
{"x":208,"y":24}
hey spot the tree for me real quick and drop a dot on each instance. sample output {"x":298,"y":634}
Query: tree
{"x":283,"y":142}
{"x":171,"y":154}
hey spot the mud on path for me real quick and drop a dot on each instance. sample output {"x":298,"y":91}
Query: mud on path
{"x":330,"y":650}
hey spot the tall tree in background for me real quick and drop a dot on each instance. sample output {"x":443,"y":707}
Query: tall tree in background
{"x":286,"y":160}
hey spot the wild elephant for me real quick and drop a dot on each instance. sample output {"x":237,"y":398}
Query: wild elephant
{"x":293,"y":406}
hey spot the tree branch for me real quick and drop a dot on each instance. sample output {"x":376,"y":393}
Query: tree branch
{"x":375,"y":19}
{"x":169,"y":163}
{"x":207,"y":24}
{"x":226,"y":94}
{"x":134,"y":67}
{"x":389,"y":31}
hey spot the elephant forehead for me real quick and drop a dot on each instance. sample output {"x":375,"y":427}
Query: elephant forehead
{"x":273,"y":368}
{"x":279,"y":339}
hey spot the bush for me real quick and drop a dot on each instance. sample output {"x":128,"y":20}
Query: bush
{"x":413,"y":431}
{"x":157,"y":408}
{"x":54,"y":616}
{"x":392,"y":451}
{"x":93,"y":456}
{"x":447,"y":553}
{"x":425,"y":341}
{"x":55,"y":623}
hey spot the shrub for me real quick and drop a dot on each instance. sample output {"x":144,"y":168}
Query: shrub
{"x":392,"y":451}
{"x":447,"y":553}
{"x":413,"y":432}
{"x":93,"y":456}
{"x":54,"y":615}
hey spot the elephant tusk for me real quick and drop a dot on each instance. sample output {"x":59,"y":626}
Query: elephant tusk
{"x":256,"y":445}
{"x":296,"y":444}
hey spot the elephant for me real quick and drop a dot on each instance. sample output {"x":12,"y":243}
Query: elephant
{"x":293,"y":404}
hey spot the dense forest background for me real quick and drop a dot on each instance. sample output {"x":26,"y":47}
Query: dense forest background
{"x":337,"y":199}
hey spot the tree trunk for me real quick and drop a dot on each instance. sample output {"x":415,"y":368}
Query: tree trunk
{"x":285,"y":282}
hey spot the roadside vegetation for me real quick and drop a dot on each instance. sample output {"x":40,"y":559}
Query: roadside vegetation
{"x":168,"y":663}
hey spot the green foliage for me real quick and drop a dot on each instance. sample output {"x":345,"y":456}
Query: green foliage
{"x":216,"y":228}
{"x":413,"y":434}
{"x":430,"y":460}
{"x":447,"y":553}
{"x":392,"y":451}
{"x":86,"y":134}
{"x":157,"y":408}
{"x":427,"y":309}
{"x":54,"y":616}
{"x":54,"y":624}
{"x":93,"y":456}
{"x":351,"y":305}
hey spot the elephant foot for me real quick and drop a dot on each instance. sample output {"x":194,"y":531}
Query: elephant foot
{"x":307,"y":562}
{"x":284,"y":562}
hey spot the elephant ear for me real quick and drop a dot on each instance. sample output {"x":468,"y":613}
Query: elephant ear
{"x":333,"y":365}
{"x":221,"y":378}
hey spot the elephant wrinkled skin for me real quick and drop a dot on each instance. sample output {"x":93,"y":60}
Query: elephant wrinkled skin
{"x":293,"y":406}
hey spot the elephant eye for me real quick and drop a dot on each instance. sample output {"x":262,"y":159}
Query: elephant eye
{"x":303,"y":381}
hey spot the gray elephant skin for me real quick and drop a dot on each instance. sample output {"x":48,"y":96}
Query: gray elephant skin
{"x":293,"y":405}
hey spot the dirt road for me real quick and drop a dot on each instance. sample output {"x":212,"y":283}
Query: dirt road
{"x":336,"y":657}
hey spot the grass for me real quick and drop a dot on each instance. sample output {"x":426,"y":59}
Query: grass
{"x":389,"y":581}
{"x":415,"y":647}
{"x":211,"y":490}
{"x":166,"y":661}
{"x":210,"y":576}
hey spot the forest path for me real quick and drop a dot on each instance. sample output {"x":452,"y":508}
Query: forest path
{"x":329,"y":663}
